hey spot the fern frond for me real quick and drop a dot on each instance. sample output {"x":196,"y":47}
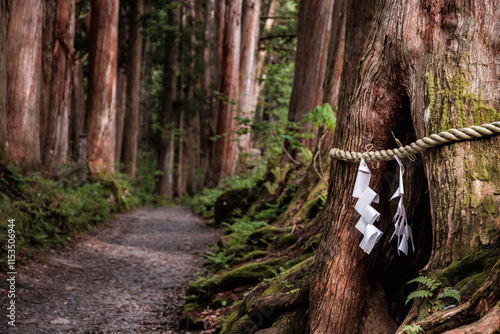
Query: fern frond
{"x":430,"y":283}
{"x":418,"y":294}
{"x":451,"y":293}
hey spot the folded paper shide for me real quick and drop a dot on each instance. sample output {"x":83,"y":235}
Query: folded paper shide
{"x":402,"y":229}
{"x":366,"y":196}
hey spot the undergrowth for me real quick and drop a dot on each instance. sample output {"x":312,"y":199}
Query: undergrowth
{"x":50,"y":213}
{"x":203,"y":202}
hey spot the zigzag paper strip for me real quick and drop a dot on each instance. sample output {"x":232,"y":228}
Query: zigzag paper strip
{"x":363,"y":206}
{"x":401,"y":227}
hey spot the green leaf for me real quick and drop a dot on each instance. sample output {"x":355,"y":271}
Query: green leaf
{"x":430,"y":283}
{"x":450,"y":293}
{"x":418,"y":294}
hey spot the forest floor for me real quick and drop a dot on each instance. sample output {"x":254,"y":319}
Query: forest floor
{"x":130,"y":277}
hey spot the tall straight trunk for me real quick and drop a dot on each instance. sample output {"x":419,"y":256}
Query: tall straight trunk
{"x":419,"y":74}
{"x":121,"y":97}
{"x":250,"y":36}
{"x":131,"y":127}
{"x":225,"y":148}
{"x":219,"y":28}
{"x":78,"y":94}
{"x":335,"y":54}
{"x":333,"y":69}
{"x":182,"y":166}
{"x":101,"y":109}
{"x":60,"y":35}
{"x":3,"y":77}
{"x":24,"y":74}
{"x":313,"y":35}
{"x":261,"y":57}
{"x":208,"y":113}
{"x":168,"y":119}
{"x":146,"y":114}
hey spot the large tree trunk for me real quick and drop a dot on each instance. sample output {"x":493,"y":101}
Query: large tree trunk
{"x":208,"y":111}
{"x":24,"y":74}
{"x":250,"y":37}
{"x":3,"y":77}
{"x":424,"y":70}
{"x":168,"y":119}
{"x":101,"y":108}
{"x":315,"y":17}
{"x":225,"y":148}
{"x":121,"y":97}
{"x":260,"y":69}
{"x":131,"y":126}
{"x":78,"y":94}
{"x":58,"y":46}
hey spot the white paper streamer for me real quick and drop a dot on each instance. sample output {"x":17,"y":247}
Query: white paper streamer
{"x":401,"y":228}
{"x":363,"y":206}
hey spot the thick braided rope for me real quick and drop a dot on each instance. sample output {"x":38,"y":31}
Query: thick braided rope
{"x":452,"y":135}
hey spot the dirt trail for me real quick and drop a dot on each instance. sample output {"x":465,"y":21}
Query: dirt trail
{"x":128,"y":278}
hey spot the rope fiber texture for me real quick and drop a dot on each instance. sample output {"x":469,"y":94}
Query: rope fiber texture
{"x":452,"y":135}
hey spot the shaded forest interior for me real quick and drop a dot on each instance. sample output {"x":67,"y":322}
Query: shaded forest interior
{"x":231,"y":107}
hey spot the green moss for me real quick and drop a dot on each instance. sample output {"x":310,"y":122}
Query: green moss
{"x":285,"y":240}
{"x":291,"y":322}
{"x":266,"y":233}
{"x":189,"y":307}
{"x":471,"y":284}
{"x":430,"y":87}
{"x":308,"y":209}
{"x":283,"y":282}
{"x":242,"y":325}
{"x":203,"y":289}
{"x":256,"y":254}
{"x":469,"y":109}
{"x":479,"y":262}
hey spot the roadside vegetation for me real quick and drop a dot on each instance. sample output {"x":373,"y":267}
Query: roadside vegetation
{"x":51,"y":212}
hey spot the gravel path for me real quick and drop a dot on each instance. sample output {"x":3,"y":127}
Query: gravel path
{"x":128,"y":278}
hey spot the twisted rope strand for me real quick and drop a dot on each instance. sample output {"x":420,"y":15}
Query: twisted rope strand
{"x":452,"y":135}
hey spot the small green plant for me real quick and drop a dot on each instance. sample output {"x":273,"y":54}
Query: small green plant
{"x":412,"y":329}
{"x":322,"y":116}
{"x":219,"y":259}
{"x":430,"y":286}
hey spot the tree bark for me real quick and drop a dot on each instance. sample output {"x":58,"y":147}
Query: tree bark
{"x":78,"y":94}
{"x":131,"y":127}
{"x":121,"y":97}
{"x":3,"y":78}
{"x":208,"y":111}
{"x":313,"y":35}
{"x":423,"y":70}
{"x":58,"y":66}
{"x":335,"y":53}
{"x":250,"y":36}
{"x":24,"y":74}
{"x":261,"y":57}
{"x":101,"y":109}
{"x":168,"y":119}
{"x":225,"y":148}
